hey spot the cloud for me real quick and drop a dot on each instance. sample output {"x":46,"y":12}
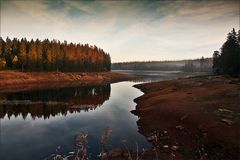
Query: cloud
{"x":128,"y":30}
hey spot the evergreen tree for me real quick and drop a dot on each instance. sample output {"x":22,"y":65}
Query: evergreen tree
{"x":22,"y":54}
{"x":15,"y":46}
{"x":230,"y":55}
{"x":7,"y":54}
{"x":228,"y":62}
{"x":45,"y":49}
{"x":2,"y":58}
{"x":39,"y":55}
{"x":32,"y":56}
{"x":216,"y":63}
{"x":2,"y":46}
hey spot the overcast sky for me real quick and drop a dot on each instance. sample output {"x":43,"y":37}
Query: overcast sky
{"x":129,"y":31}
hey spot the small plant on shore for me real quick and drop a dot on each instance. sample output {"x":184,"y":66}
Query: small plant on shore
{"x":81,"y":153}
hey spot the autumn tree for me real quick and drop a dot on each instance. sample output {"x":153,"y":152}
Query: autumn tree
{"x":7,"y":53}
{"x":39,"y":49}
{"x":53,"y":56}
{"x":2,"y":46}
{"x":32,"y":56}
{"x":2,"y":58}
{"x":22,"y":54}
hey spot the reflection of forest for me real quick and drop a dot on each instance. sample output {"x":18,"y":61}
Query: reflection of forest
{"x":46,"y":103}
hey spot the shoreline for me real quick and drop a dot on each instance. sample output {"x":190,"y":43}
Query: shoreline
{"x":196,"y":117}
{"x":15,"y":81}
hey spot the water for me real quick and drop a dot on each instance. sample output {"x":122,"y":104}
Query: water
{"x":34,"y":123}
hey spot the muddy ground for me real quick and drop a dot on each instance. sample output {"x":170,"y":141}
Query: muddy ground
{"x":191,"y":118}
{"x":13,"y":81}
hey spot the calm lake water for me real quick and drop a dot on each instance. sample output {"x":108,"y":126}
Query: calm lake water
{"x":34,"y":123}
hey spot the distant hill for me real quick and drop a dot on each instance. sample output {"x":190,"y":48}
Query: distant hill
{"x":194,"y":65}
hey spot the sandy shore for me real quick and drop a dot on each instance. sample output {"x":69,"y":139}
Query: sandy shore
{"x":12,"y":81}
{"x":192,"y":118}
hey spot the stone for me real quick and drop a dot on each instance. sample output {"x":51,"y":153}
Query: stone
{"x":227,"y":121}
{"x":180,"y":127}
{"x":165,"y":146}
{"x":174,"y":147}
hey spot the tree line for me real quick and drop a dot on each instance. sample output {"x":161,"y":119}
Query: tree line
{"x":193,"y":65}
{"x":227,"y":60}
{"x":52,"y":55}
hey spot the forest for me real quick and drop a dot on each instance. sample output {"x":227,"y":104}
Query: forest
{"x":46,"y":55}
{"x":227,"y":60}
{"x":194,"y":65}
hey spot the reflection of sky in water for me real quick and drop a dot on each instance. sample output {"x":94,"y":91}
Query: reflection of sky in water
{"x":36,"y":139}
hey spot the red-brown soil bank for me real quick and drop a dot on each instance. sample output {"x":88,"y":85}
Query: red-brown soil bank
{"x":12,"y":81}
{"x":192,"y":118}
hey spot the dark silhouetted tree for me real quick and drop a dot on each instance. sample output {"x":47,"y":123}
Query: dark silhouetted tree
{"x":229,"y":54}
{"x":228,"y":62}
{"x":216,"y":63}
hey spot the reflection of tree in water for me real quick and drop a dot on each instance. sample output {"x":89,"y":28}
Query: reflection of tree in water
{"x":46,"y":103}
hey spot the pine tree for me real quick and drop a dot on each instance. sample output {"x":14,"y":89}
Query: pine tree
{"x":229,"y":54}
{"x":2,"y":47}
{"x":39,"y":55}
{"x":216,"y":63}
{"x":32,"y":56}
{"x":7,"y":54}
{"x":15,"y":46}
{"x":45,"y":45}
{"x":22,"y":54}
{"x":2,"y":58}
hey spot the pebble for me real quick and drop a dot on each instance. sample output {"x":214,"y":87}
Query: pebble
{"x":227,"y":121}
{"x":179,"y":127}
{"x":174,"y":148}
{"x":165,"y":146}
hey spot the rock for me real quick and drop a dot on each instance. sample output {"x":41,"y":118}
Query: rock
{"x":151,"y":138}
{"x":224,"y":113}
{"x":224,"y":110}
{"x":165,"y":146}
{"x":174,"y":147}
{"x":180,"y":127}
{"x":115,"y":153}
{"x":227,"y":121}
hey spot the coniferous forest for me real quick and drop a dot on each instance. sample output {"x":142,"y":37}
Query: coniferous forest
{"x":227,"y":61}
{"x":52,"y":55}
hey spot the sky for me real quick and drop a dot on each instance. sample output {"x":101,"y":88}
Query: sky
{"x":127,"y":30}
